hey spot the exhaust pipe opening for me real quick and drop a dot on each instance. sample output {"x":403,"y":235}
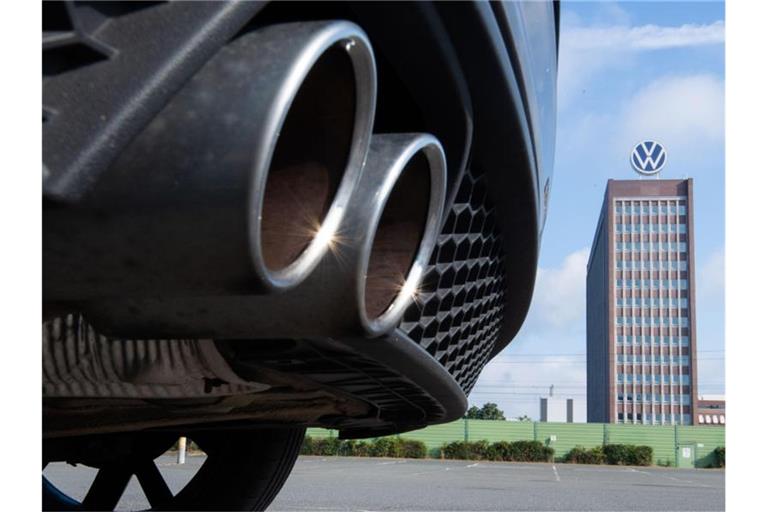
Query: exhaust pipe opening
{"x":398,"y":236}
{"x":317,"y":134}
{"x":403,"y":229}
{"x":309,"y":159}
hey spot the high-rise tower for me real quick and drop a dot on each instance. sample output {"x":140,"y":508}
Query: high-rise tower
{"x":641,"y":311}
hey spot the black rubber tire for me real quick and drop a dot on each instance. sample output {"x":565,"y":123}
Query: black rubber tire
{"x":244,"y":470}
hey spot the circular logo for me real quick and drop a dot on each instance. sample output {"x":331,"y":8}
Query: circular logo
{"x":648,"y":157}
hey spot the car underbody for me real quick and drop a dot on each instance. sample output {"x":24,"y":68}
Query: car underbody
{"x":265,"y":216}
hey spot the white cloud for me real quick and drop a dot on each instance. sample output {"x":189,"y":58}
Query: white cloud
{"x":646,"y":37}
{"x":687,"y":113}
{"x":586,"y":50}
{"x":559,"y":296}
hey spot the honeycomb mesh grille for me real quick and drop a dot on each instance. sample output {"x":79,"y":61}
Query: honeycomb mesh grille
{"x":461,"y":305}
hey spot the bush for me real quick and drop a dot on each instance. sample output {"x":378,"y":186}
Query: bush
{"x":466,"y":450}
{"x":327,"y":446}
{"x":455,"y":450}
{"x":531,"y":451}
{"x":628,"y":455}
{"x":354,"y":448}
{"x":308,"y":446}
{"x":412,"y":449}
{"x":643,"y":456}
{"x":500,"y":450}
{"x":520,"y":451}
{"x":382,"y":447}
{"x":720,"y":457}
{"x":581,"y":455}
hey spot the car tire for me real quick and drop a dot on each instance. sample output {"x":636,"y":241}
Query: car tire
{"x":244,"y":470}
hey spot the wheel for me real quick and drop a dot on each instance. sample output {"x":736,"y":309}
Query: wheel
{"x":244,"y":470}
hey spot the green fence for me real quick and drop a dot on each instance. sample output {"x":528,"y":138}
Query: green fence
{"x":564,"y":436}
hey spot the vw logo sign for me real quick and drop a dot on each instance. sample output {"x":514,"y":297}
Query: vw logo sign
{"x":648,"y":157}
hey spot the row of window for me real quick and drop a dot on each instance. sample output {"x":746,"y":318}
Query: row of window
{"x":663,"y":209}
{"x":674,"y":321}
{"x":656,"y":398}
{"x":652,"y":228}
{"x":651,"y":265}
{"x":655,"y":419}
{"x":717,"y":419}
{"x":651,"y":359}
{"x":652,"y":340}
{"x":645,"y":302}
{"x":654,"y":284}
{"x":629,"y":378}
{"x":652,"y":246}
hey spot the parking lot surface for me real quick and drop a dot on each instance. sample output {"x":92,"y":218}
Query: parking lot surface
{"x":348,"y":483}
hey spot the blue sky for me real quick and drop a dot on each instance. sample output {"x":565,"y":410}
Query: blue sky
{"x":628,"y":71}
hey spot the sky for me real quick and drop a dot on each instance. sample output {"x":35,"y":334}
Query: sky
{"x":628,"y":71}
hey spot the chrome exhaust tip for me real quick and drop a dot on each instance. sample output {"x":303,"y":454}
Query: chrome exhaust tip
{"x":403,"y":225}
{"x":303,"y":176}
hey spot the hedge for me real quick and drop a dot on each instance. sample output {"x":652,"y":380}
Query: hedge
{"x":720,"y":457}
{"x":518,"y":451}
{"x":581,"y":455}
{"x":381,"y":447}
{"x":628,"y":455}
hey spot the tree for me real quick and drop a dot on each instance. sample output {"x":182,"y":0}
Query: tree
{"x":524,"y":417}
{"x":488,"y":411}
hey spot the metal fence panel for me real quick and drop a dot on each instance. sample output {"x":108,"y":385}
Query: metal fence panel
{"x":659,"y":437}
{"x":704,"y":440}
{"x":493,"y":431}
{"x":436,"y":435}
{"x":565,"y":436}
{"x":321,"y":432}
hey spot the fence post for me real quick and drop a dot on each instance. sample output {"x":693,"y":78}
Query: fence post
{"x":605,"y":434}
{"x":677,"y":459}
{"x":466,"y":429}
{"x":182,"y":455}
{"x":535,"y":431}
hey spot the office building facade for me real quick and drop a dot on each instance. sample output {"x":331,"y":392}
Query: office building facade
{"x":641,"y":312}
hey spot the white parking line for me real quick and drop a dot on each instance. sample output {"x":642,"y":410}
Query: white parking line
{"x":473,"y":465}
{"x":557,"y":476}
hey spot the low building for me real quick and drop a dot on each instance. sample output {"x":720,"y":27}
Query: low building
{"x":710,"y":410}
{"x":561,"y":410}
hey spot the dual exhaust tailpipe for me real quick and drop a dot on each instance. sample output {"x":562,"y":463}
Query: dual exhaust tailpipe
{"x":257,"y":203}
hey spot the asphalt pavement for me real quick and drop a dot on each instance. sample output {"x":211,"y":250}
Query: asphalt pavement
{"x":363,"y":484}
